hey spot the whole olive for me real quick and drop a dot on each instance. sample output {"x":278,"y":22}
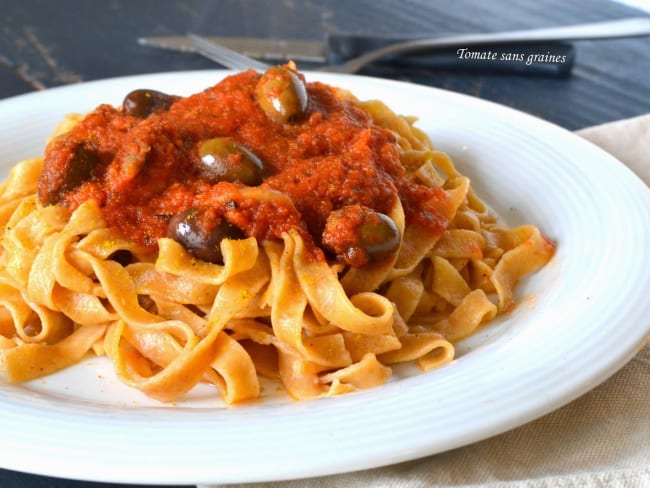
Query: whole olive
{"x":357,"y":235}
{"x":142,"y":103}
{"x":201,"y":236}
{"x":81,"y":165}
{"x":281,"y":94}
{"x":223,"y":159}
{"x":379,"y":236}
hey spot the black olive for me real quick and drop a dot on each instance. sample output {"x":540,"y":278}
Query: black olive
{"x":379,"y":236}
{"x":142,"y":103}
{"x":200,"y":236}
{"x":122,"y":256}
{"x":80,"y":168}
{"x":223,"y":159}
{"x":282,"y":95}
{"x":356,"y":235}
{"x":74,"y":162}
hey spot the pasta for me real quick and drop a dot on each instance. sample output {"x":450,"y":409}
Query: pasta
{"x":264,"y":227}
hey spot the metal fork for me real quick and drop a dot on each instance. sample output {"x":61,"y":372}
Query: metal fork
{"x":225,"y":56}
{"x":631,"y":27}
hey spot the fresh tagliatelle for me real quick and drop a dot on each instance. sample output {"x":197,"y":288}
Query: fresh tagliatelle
{"x":267,"y":226}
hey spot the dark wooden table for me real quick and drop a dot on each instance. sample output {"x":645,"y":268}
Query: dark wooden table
{"x":47,"y":43}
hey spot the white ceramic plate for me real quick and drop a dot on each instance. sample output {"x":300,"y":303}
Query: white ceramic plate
{"x":579,"y":320}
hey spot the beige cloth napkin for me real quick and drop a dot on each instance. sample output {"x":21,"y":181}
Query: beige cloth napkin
{"x":600,"y":440}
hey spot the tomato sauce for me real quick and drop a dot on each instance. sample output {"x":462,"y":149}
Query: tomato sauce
{"x":143,"y":171}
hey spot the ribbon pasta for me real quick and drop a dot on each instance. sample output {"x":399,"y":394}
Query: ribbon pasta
{"x":168,"y":321}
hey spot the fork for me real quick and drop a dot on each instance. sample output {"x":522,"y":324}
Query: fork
{"x":225,"y":56}
{"x":631,"y":27}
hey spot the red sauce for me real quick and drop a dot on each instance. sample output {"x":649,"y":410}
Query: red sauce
{"x":146,"y":170}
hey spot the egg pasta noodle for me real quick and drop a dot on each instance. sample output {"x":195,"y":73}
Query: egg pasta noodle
{"x":168,"y":321}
